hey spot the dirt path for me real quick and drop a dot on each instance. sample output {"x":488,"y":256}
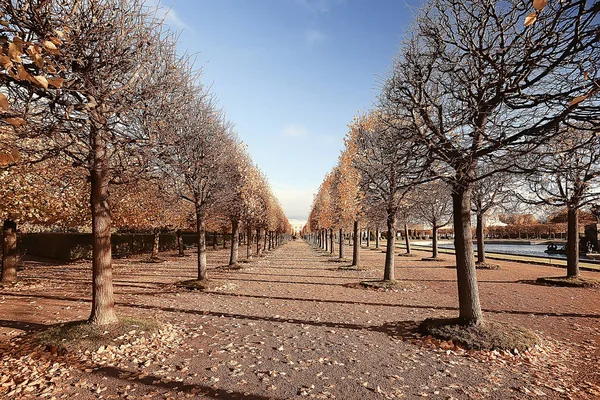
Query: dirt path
{"x":287,"y":326}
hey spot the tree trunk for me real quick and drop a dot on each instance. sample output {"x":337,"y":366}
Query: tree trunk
{"x":9,"y":252}
{"x":341,"y":243}
{"x":377,"y":233}
{"x":103,"y":303}
{"x":179,"y":237}
{"x":201,"y":228}
{"x":258,"y":252}
{"x":235,"y":241}
{"x":265,"y":240}
{"x":406,"y":238}
{"x":368,"y":238}
{"x":480,"y":239}
{"x":388,"y":274}
{"x":356,"y":249}
{"x":224,"y":239}
{"x":434,"y":242}
{"x":156,"y":233}
{"x":249,"y":242}
{"x":468,"y":293}
{"x":215,"y":239}
{"x":331,"y":241}
{"x":573,"y":242}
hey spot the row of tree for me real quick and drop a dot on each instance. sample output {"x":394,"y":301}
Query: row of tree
{"x":104,"y":125}
{"x":484,"y":98}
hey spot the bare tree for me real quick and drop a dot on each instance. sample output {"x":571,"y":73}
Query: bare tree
{"x":194,"y":153}
{"x":568,"y":175}
{"x":112,"y":59}
{"x":433,"y":204}
{"x":384,"y":164}
{"x":479,"y":85}
{"x":490,"y":193}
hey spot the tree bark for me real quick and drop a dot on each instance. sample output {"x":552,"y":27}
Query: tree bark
{"x":9,"y":252}
{"x":331,"y":249}
{"x":468,"y":293}
{"x":235,"y":238}
{"x":265,"y":240}
{"x":249,"y":242}
{"x":224,"y":239}
{"x":434,"y":241}
{"x":103,"y":303}
{"x":377,"y":238}
{"x":368,"y":238}
{"x":406,"y":238}
{"x":180,"y":247}
{"x":573,"y":242}
{"x":156,"y":238}
{"x":215,"y":239}
{"x":258,"y":238}
{"x":201,"y":228}
{"x":388,"y":274}
{"x":341,"y":243}
{"x":480,"y":239}
{"x":356,"y":247}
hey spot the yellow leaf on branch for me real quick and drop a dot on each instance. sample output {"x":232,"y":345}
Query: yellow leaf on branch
{"x":13,"y":53}
{"x":16,"y":121}
{"x":3,"y":101}
{"x":43,"y":82}
{"x":56,"y":82}
{"x":530,"y":18}
{"x":49,"y":45}
{"x":540,"y":4}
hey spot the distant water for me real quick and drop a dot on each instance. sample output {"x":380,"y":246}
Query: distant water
{"x":518,"y":249}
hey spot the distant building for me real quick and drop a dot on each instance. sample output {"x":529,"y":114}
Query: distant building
{"x":297,"y":224}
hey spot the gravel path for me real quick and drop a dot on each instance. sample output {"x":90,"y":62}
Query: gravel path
{"x":287,"y":325}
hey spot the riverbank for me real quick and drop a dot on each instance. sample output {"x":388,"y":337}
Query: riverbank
{"x":589,"y":265}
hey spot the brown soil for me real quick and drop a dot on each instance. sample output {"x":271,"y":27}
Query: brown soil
{"x":287,"y":326}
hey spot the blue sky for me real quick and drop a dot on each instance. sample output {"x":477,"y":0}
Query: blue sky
{"x":291,"y":74}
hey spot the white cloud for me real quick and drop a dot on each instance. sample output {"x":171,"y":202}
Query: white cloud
{"x":167,"y":13}
{"x":295,"y":131}
{"x":320,"y":6}
{"x":295,"y":201}
{"x":314,"y":36}
{"x":173,"y":19}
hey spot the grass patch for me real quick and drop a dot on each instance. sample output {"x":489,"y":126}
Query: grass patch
{"x":432,"y":259}
{"x":489,"y":335}
{"x":339,"y":260}
{"x":81,"y":335}
{"x":381,"y":285}
{"x":577,"y":281}
{"x":195,"y":284}
{"x":485,"y":265}
{"x":350,"y":268}
{"x":153,"y":260}
{"x":227,"y":267}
